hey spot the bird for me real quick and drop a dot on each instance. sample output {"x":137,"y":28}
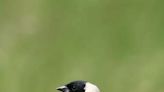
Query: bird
{"x":78,"y":86}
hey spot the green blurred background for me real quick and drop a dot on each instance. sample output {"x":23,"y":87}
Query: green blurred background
{"x":116,"y":44}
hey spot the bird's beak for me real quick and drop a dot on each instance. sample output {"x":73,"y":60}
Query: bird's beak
{"x":62,"y":88}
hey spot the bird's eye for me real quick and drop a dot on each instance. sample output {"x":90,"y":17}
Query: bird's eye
{"x":73,"y":87}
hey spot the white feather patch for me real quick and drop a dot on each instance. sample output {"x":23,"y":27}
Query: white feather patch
{"x":89,"y":87}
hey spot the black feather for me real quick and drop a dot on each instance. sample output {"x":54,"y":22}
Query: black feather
{"x":76,"y":86}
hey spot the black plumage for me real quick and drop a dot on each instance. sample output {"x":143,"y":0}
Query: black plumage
{"x":76,"y":86}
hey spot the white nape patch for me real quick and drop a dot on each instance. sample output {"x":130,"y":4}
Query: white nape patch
{"x":89,"y":87}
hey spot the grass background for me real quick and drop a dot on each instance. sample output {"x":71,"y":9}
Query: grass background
{"x":116,"y":44}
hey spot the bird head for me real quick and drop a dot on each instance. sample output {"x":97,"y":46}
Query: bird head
{"x":79,"y":86}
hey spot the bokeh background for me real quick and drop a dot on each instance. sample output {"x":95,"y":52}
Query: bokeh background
{"x":116,"y":44}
